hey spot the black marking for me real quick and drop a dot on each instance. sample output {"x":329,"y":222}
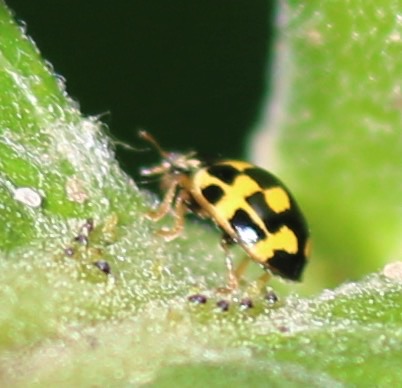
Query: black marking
{"x":287,"y":265}
{"x":224,"y":172}
{"x":263,"y":178}
{"x":291,"y":217}
{"x":212,"y":193}
{"x":249,"y":232}
{"x":272,"y":221}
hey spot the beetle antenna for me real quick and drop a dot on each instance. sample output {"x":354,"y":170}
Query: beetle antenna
{"x":150,"y":139}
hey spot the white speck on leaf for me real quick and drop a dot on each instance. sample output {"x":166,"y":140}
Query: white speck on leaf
{"x":28,"y":197}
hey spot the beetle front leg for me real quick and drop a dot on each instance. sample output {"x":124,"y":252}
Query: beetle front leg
{"x":180,"y":209}
{"x":166,"y":204}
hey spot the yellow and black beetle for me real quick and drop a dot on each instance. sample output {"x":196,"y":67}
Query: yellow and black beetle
{"x":250,"y":205}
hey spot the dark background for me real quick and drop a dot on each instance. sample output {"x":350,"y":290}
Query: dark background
{"x":191,"y":72}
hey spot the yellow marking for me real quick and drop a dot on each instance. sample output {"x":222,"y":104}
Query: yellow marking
{"x":284,"y":239}
{"x":234,"y":197}
{"x":277,"y":199}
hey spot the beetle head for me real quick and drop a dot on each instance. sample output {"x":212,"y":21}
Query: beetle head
{"x":172,"y":162}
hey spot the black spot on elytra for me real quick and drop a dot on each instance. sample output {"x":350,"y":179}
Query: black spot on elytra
{"x":212,"y":193}
{"x":247,"y":230}
{"x":224,"y":172}
{"x":292,"y":217}
{"x":263,"y":178}
{"x":272,"y":221}
{"x":289,"y":266}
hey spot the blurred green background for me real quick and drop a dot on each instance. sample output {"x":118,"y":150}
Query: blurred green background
{"x":192,"y":73}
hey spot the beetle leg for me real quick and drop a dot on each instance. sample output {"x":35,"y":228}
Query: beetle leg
{"x":166,"y":204}
{"x":180,"y":208}
{"x":233,"y":283}
{"x":235,"y":275}
{"x":241,"y":268}
{"x":263,"y":280}
{"x":258,"y":285}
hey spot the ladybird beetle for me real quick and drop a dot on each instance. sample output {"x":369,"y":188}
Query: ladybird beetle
{"x":250,"y":205}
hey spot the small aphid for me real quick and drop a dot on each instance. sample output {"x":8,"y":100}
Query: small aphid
{"x":83,"y":240}
{"x":103,"y":266}
{"x":88,"y":227}
{"x":223,"y":305}
{"x":85,"y":231}
{"x":198,"y":298}
{"x":246,"y":303}
{"x":250,"y":206}
{"x":271,"y":297}
{"x":283,"y":329}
